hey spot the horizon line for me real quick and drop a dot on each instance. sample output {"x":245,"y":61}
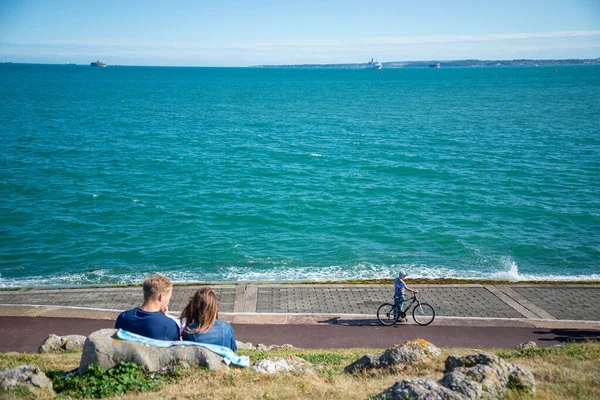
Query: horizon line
{"x":308,"y":63}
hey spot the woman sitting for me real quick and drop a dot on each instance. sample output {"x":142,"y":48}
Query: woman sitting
{"x":200,"y":323}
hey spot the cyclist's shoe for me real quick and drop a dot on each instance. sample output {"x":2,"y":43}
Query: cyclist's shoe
{"x":402,"y":320}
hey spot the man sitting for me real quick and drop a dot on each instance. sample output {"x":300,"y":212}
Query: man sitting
{"x":150,"y":318}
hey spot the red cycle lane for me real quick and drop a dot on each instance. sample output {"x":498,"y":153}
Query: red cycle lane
{"x":26,"y":334}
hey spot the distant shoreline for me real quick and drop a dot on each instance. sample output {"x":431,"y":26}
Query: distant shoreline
{"x":451,"y":63}
{"x":386,"y":65}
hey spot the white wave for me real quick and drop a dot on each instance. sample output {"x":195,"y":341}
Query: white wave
{"x":95,"y":196}
{"x":511,"y":272}
{"x":284,"y":272}
{"x":316,"y":155}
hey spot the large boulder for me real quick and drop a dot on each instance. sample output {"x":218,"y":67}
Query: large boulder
{"x":289,"y":363}
{"x":421,"y":388}
{"x":485,"y":375}
{"x":476,"y":376}
{"x":24,"y":375}
{"x":410,"y":352}
{"x":102,"y":348}
{"x":57,"y":344}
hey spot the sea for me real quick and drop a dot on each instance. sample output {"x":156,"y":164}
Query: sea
{"x":307,"y":174}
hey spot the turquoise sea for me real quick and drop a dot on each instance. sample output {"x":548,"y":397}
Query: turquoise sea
{"x":249,"y":174}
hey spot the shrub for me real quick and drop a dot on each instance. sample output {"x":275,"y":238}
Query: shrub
{"x":98,"y":383}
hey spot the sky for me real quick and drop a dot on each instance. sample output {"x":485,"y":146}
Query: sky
{"x":255,"y":32}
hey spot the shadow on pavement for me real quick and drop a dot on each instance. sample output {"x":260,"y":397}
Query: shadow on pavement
{"x":350,"y":322}
{"x":569,"y":335}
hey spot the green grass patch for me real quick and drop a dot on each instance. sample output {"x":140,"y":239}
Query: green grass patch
{"x":584,"y":350}
{"x":99,"y":383}
{"x":323,"y":359}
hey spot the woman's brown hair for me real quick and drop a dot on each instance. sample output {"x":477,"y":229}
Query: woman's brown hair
{"x":202,"y":309}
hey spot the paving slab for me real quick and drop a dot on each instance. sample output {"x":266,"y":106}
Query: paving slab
{"x":111,"y":298}
{"x":510,"y":302}
{"x":564,"y":302}
{"x":463,"y":301}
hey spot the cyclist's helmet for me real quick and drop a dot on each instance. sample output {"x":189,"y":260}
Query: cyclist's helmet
{"x":401,"y":273}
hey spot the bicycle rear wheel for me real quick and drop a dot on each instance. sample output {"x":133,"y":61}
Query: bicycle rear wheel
{"x":387,"y":314}
{"x":423,"y":314}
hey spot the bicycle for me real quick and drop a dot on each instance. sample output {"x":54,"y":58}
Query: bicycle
{"x":423,"y":314}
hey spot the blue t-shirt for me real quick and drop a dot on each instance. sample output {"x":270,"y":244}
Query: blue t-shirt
{"x":399,"y":286}
{"x":220,"y":334}
{"x":155,"y":325}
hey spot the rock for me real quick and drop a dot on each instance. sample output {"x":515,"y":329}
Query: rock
{"x":263,"y":347}
{"x":410,"y":352}
{"x":421,"y":388}
{"x":57,"y":344}
{"x":288,"y":363}
{"x":102,"y":349}
{"x":476,"y":376}
{"x":521,"y":380}
{"x":244,"y":345}
{"x":462,"y":385}
{"x":527,"y":345}
{"x":24,"y":375}
{"x":368,"y":361}
{"x":480,"y":375}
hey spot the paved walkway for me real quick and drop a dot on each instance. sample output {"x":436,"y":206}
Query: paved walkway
{"x":514,"y":304}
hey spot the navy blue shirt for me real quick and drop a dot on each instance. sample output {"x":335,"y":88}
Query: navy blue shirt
{"x":220,"y":334}
{"x":155,"y":325}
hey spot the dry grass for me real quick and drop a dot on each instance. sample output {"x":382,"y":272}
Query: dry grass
{"x":571,"y":372}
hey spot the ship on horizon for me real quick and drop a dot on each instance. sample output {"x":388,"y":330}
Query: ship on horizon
{"x":373,"y":64}
{"x":98,"y":64}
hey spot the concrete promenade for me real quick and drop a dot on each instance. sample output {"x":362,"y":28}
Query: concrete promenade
{"x":512,"y":305}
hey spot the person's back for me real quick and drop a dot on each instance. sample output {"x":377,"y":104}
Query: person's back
{"x":221,"y":334}
{"x":150,"y":318}
{"x":399,"y":287}
{"x":200,"y":323}
{"x":155,"y":325}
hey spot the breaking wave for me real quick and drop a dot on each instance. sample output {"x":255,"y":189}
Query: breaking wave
{"x":287,"y":273}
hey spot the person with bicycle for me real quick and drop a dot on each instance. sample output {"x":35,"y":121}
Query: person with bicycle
{"x":388,"y":314}
{"x":399,"y":287}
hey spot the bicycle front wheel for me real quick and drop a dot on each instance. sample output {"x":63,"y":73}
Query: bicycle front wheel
{"x":423,"y":314}
{"x":387,"y":314}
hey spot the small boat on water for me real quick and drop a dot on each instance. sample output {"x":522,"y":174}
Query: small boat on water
{"x":98,"y":64}
{"x":436,"y":65}
{"x":373,"y":64}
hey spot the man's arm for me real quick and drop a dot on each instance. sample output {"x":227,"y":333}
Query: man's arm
{"x":119,"y":321}
{"x":173,"y":330}
{"x":411,"y":290}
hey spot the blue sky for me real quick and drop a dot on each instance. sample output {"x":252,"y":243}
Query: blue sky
{"x":241,"y":33}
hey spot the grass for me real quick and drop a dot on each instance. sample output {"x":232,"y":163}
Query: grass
{"x":569,"y":372}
